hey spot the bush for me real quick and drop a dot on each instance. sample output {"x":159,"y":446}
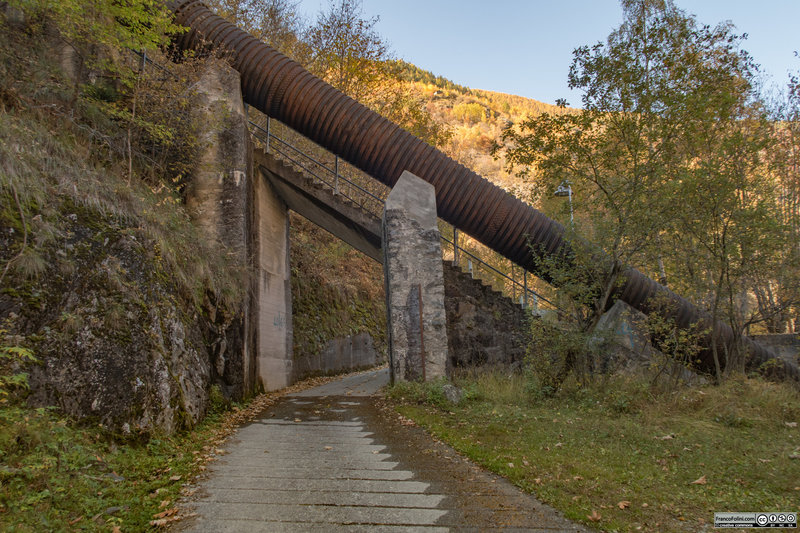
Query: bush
{"x":470,"y":113}
{"x":429,"y":392}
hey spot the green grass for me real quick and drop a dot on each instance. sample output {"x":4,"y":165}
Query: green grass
{"x":56,"y":476}
{"x":626,"y":455}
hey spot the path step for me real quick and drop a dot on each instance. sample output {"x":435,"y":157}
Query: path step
{"x":328,"y":460}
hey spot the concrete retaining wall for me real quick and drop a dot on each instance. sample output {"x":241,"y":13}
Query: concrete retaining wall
{"x":785,"y":345}
{"x":339,"y":355}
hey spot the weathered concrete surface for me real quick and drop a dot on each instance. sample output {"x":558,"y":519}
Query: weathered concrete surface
{"x":341,"y":354}
{"x":484,"y":327}
{"x":272,"y":308}
{"x":322,"y":206}
{"x":785,"y":345}
{"x":330,"y":459}
{"x":216,"y":195}
{"x":412,"y":269}
{"x":217,"y":200}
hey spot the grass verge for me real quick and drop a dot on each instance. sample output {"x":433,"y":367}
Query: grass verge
{"x":621,"y":456}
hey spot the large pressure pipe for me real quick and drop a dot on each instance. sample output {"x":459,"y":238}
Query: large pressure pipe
{"x":284,"y":90}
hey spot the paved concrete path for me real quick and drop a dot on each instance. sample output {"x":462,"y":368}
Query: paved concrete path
{"x":329,"y":459}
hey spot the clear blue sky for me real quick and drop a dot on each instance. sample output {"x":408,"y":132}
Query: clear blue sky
{"x":525,"y":47}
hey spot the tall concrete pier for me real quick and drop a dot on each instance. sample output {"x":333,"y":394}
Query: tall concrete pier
{"x":414,"y":282}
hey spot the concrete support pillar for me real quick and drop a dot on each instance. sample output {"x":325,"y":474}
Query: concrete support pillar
{"x":272,"y":296}
{"x":414,"y":282}
{"x":216,"y":196}
{"x":217,"y":200}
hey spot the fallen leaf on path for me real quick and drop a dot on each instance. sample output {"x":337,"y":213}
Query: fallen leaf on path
{"x":168,"y":512}
{"x":297,"y":420}
{"x":624,"y":504}
{"x":666,"y":437}
{"x":511,"y":465}
{"x":791,"y":424}
{"x":73,"y":522}
{"x":116,"y":529}
{"x":165,"y":521}
{"x":699,"y":481}
{"x":328,"y":447}
{"x":164,"y":503}
{"x":594,"y":517}
{"x":175,"y":478}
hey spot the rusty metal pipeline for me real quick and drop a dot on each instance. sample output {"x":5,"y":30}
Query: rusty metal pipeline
{"x":284,"y":90}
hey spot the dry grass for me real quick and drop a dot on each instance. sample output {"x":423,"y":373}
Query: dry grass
{"x":622,"y":456}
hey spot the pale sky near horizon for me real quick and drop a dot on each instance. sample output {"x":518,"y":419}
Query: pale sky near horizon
{"x":525,"y":47}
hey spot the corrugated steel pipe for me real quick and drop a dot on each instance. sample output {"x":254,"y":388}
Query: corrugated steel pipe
{"x":284,"y":90}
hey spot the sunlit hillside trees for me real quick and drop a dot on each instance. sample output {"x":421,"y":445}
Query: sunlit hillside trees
{"x":666,"y":162}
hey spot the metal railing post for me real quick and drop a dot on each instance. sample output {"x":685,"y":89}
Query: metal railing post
{"x":269,"y":124}
{"x":336,"y":174}
{"x":525,"y":288}
{"x":455,"y":246}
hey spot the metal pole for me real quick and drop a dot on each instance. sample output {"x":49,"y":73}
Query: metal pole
{"x":525,"y":288}
{"x":571,"y":218}
{"x":455,"y":246}
{"x":269,"y":124}
{"x":513,"y":283}
{"x":336,"y":175}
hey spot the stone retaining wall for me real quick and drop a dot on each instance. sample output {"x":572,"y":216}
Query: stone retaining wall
{"x":483,"y":326}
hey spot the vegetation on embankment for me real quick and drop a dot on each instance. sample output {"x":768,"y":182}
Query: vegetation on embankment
{"x":622,"y":455}
{"x":336,"y":291}
{"x":57,"y":475}
{"x":60,"y":476}
{"x":103,"y":277}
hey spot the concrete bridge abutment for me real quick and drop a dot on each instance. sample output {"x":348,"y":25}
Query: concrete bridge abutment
{"x":237,"y":208}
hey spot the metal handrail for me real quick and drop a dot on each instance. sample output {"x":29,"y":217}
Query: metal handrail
{"x":523,"y":287}
{"x":367,"y":196}
{"x":484,"y":264}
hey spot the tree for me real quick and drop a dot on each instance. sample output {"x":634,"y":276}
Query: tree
{"x":664,"y":156}
{"x":347,"y":52}
{"x":778,"y":298}
{"x":134,"y":24}
{"x":276,"y":22}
